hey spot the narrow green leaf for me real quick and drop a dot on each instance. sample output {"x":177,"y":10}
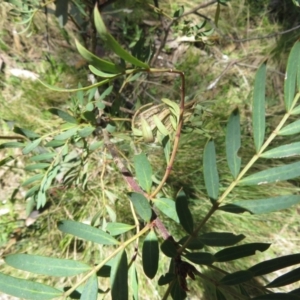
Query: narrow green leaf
{"x":237,"y":252}
{"x":104,"y":271}
{"x":275,"y":264}
{"x":41,"y":199}
{"x":183,"y":212}
{"x":43,"y":156}
{"x":143,"y":171}
{"x":275,"y":174}
{"x":95,"y":146}
{"x":194,"y":244}
{"x":290,"y":77}
{"x":90,"y":290}
{"x":12,"y":145}
{"x":150,"y":254}
{"x":26,"y":132}
{"x":63,"y":115}
{"x":32,"y":191}
{"x":86,"y":232}
{"x":276,"y":296}
{"x":142,"y":206}
{"x":169,"y":248}
{"x":134,"y":285}
{"x":283,"y":151}
{"x":108,"y":39}
{"x":290,"y":129}
{"x":168,"y":207}
{"x":32,"y":179}
{"x":285,"y":279}
{"x":85,"y":132}
{"x":97,"y":62}
{"x":233,"y":143}
{"x":167,"y":147}
{"x":177,"y":292}
{"x":220,"y":295}
{"x":258,"y":114}
{"x":55,"y":144}
{"x":118,"y":228}
{"x":102,"y":74}
{"x":6,"y":160}
{"x":220,"y":239}
{"x":38,"y":166}
{"x":296,"y":110}
{"x":26,"y":289}
{"x":264,"y":206}
{"x":166,"y":278}
{"x":31,"y":146}
{"x":210,"y":172}
{"x":66,"y":134}
{"x":55,"y":266}
{"x":200,"y":258}
{"x":236,"y":278}
{"x":119,"y":277}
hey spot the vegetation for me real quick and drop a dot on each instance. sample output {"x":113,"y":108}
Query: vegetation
{"x":143,"y":171}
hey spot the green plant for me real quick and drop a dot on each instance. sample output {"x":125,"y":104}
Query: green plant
{"x":63,"y":157}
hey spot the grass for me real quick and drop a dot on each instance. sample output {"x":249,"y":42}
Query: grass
{"x":26,"y":103}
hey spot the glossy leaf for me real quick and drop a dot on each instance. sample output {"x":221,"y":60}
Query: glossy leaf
{"x":233,"y":143}
{"x":237,"y":252}
{"x":166,"y":278}
{"x":108,"y":39}
{"x":150,"y":254}
{"x":63,"y":115}
{"x":168,"y":248}
{"x":43,"y":156}
{"x":143,"y":171}
{"x":134,"y":285}
{"x":264,"y":206}
{"x":90,"y":290}
{"x":220,"y":239}
{"x":286,"y":172}
{"x":183,"y":212}
{"x":194,"y":244}
{"x":141,"y":205}
{"x":66,"y":134}
{"x":12,"y":145}
{"x":290,"y":77}
{"x":276,"y":296}
{"x":168,"y":207}
{"x":26,"y":289}
{"x":86,"y":232}
{"x":119,"y":277}
{"x":97,"y":62}
{"x":290,"y":129}
{"x":283,"y":151}
{"x":258,"y":114}
{"x":118,"y":228}
{"x":200,"y":258}
{"x":275,"y":264}
{"x":236,"y":278}
{"x":285,"y":279}
{"x":55,"y":266}
{"x":210,"y":172}
{"x":177,"y":293}
{"x":31,"y":146}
